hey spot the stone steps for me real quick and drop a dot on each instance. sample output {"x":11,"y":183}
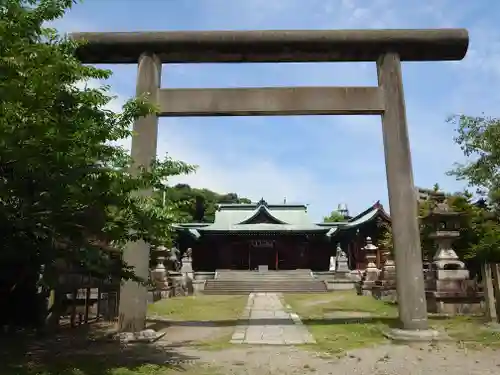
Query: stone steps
{"x":245,"y":282}
{"x":265,"y":276}
{"x":211,"y":288}
{"x":246,"y":287}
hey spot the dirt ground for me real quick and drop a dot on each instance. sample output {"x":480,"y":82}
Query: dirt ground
{"x":385,"y":359}
{"x":181,"y":352}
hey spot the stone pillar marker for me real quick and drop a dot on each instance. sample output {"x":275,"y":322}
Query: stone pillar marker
{"x":406,"y":236}
{"x":133,"y":297}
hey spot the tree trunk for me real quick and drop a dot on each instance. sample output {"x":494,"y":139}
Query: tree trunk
{"x":495,"y":270}
{"x":489,"y":294}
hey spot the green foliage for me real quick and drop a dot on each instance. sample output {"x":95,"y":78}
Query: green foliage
{"x":198,"y":205}
{"x":65,"y":191}
{"x":480,"y":231}
{"x":479,"y":139}
{"x":385,"y":240}
{"x":334,"y":217}
{"x":469,"y":246}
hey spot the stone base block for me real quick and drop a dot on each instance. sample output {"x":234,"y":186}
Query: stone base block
{"x":405,"y":335}
{"x":385,"y":294}
{"x":454,"y":304}
{"x":198,"y":286}
{"x":324,"y":275}
{"x":449,"y":275}
{"x":201,"y":276}
{"x":365,"y":288}
{"x":146,"y":336}
{"x":355,"y":275}
{"x":341,"y":285}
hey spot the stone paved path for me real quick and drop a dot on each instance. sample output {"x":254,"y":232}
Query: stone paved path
{"x":265,"y":322}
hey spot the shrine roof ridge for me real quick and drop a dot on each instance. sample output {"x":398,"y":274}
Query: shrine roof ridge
{"x":253,"y":206}
{"x":272,"y":45}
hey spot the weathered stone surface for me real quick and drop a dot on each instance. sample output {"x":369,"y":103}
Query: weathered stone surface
{"x":144,"y":336}
{"x":273,"y":45}
{"x":269,"y":324}
{"x":406,"y":335}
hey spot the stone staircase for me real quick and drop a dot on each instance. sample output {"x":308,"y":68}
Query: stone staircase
{"x":245,"y":282}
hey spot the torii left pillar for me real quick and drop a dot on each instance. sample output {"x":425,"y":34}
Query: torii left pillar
{"x":133,"y":296}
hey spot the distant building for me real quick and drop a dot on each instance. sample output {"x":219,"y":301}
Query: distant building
{"x":343,"y":210}
{"x":281,"y":236}
{"x":423,"y":194}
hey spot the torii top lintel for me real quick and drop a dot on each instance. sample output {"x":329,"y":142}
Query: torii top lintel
{"x":273,"y":45}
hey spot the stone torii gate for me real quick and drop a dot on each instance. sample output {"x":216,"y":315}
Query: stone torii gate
{"x":385,"y":47}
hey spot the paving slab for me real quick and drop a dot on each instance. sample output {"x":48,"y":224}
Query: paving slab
{"x":266,"y":322}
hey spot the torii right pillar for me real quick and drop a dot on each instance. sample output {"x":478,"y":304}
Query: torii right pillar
{"x":406,"y":237}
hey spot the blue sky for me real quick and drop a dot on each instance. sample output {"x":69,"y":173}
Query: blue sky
{"x":317,"y":160}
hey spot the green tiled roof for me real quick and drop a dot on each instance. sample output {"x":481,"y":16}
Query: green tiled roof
{"x":261,"y":217}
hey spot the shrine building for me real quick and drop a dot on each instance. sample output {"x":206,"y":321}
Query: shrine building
{"x":279,"y":236}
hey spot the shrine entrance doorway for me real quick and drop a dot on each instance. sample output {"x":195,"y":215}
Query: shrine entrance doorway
{"x":263,"y":253}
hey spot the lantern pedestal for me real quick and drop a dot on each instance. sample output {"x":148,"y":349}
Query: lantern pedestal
{"x":385,"y":287}
{"x":371,"y":273}
{"x":448,"y":287}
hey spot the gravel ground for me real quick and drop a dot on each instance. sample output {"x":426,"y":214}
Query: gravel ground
{"x":381,"y":360}
{"x":179,"y":348}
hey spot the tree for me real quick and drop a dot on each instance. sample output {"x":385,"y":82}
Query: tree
{"x":479,"y":139}
{"x":65,"y":191}
{"x":334,"y":217}
{"x":199,"y":205}
{"x":385,"y":241}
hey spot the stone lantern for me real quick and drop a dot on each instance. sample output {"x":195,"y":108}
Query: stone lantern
{"x":385,"y":287}
{"x":370,"y":276}
{"x":159,"y":274}
{"x":445,"y":224}
{"x":448,"y":288}
{"x":370,"y":251}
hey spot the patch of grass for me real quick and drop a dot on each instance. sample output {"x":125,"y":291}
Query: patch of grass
{"x":337,"y":323}
{"x":319,"y":304}
{"x":222,"y":311}
{"x":342,"y":320}
{"x":199,"y":308}
{"x":468,"y":331}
